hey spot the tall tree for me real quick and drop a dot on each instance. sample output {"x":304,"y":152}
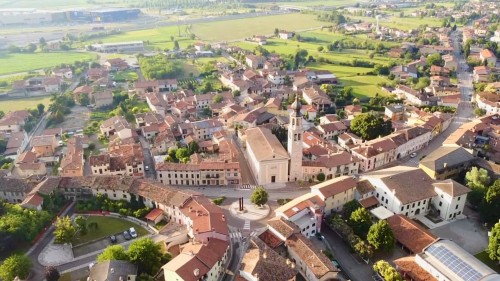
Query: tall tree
{"x":113,"y":252}
{"x":477,"y":178}
{"x":15,"y":266}
{"x":360,"y":221}
{"x":387,"y":271}
{"x":51,"y":273}
{"x":494,"y":243}
{"x":349,"y":208}
{"x":259,"y":196}
{"x":81,"y":225}
{"x":41,"y":108}
{"x":369,"y":126}
{"x":64,"y":231}
{"x":380,"y":236}
{"x":146,"y":254}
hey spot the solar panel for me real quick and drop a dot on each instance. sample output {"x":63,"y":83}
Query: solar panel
{"x":454,"y":263}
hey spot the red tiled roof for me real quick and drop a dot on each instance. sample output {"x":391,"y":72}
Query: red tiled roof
{"x":154,"y":214}
{"x":410,"y":234}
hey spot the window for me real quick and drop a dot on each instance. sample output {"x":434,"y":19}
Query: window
{"x":456,"y":207}
{"x":386,"y":201}
{"x":458,"y":199}
{"x":161,"y":175}
{"x":440,"y":204}
{"x":314,"y":224}
{"x":125,"y":196}
{"x":402,"y":208}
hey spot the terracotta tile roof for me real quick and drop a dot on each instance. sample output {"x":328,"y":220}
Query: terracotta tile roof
{"x":369,"y":202}
{"x":43,"y":141}
{"x":411,"y":269}
{"x":270,"y":239}
{"x":315,"y":260}
{"x":264,"y":144}
{"x":364,"y":186}
{"x":206,"y":216}
{"x":452,"y":187}
{"x":335,"y":186}
{"x":300,"y":203}
{"x":410,"y":234}
{"x":15,"y":185}
{"x":32,"y":201}
{"x":332,"y":160}
{"x":262,"y":262}
{"x":27,"y":157}
{"x":283,"y":226}
{"x":154,"y":214}
{"x":446,"y":156}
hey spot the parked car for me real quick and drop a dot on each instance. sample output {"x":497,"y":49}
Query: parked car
{"x":113,"y":239}
{"x":132,"y":232}
{"x":146,"y":168}
{"x":126,"y":235}
{"x":413,"y":155}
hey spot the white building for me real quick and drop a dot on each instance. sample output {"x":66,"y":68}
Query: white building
{"x":266,"y":156}
{"x":306,"y":212}
{"x":335,"y":193}
{"x":450,"y":199}
{"x":119,"y":47}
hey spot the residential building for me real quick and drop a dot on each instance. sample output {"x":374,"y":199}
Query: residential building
{"x":488,"y":56}
{"x":254,"y":61}
{"x":64,"y":73}
{"x":116,"y":64}
{"x":332,"y":165}
{"x":113,"y":270}
{"x":375,"y":153}
{"x":116,"y":125}
{"x":72,"y":163}
{"x":119,"y":47}
{"x":52,"y":84}
{"x":44,"y":146}
{"x":316,"y":97}
{"x":335,"y":193}
{"x":450,"y":200}
{"x":285,"y":35}
{"x":305,"y":211}
{"x":16,"y":143}
{"x":102,"y":98}
{"x":481,"y":74}
{"x":14,"y":190}
{"x":490,"y":102}
{"x":404,"y":72}
{"x":122,"y":160}
{"x":446,"y":162}
{"x":205,"y":129}
{"x":266,"y":156}
{"x":14,"y":121}
{"x":205,"y":173}
{"x":410,"y":140}
{"x":27,"y":164}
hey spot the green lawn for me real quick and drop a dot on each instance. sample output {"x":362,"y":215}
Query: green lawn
{"x":13,"y":63}
{"x":243,"y":28}
{"x":127,"y":75}
{"x":18,"y":104}
{"x":483,"y":256}
{"x":107,"y":226}
{"x":364,"y":86}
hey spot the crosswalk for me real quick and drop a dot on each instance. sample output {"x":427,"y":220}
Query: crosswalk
{"x":247,"y":186}
{"x":246,"y":226}
{"x":237,"y":235}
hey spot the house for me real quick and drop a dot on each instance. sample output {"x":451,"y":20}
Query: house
{"x":266,"y":156}
{"x":331,"y":130}
{"x":113,"y":270}
{"x":64,"y":73}
{"x":488,"y":101}
{"x":481,"y":74}
{"x":204,"y":129}
{"x":450,"y":62}
{"x":156,"y":103}
{"x":332,"y":165}
{"x":439,"y":71}
{"x":115,"y":64}
{"x":285,"y":35}
{"x":261,"y":40}
{"x":353,"y":110}
{"x":335,"y":193}
{"x":44,"y":146}
{"x":122,"y":160}
{"x":305,"y":211}
{"x":254,"y":61}
{"x":395,"y":112}
{"x":316,"y":97}
{"x":450,"y":200}
{"x":52,"y":84}
{"x":116,"y":125}
{"x":16,"y":143}
{"x":446,"y":162}
{"x":204,"y":173}
{"x":72,"y":162}
{"x":14,"y":121}
{"x":262,"y":262}
{"x":82,"y":90}
{"x":27,"y":164}
{"x":348,"y":140}
{"x":95,"y":74}
{"x":395,"y":190}
{"x":375,"y":153}
{"x":413,"y":97}
{"x":444,"y":260}
{"x":309,"y":259}
{"x":404,"y":72}
{"x":14,"y":190}
{"x":488,"y":56}
{"x":102,"y":98}
{"x":410,"y":140}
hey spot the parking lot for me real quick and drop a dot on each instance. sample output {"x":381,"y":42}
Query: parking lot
{"x":97,"y":245}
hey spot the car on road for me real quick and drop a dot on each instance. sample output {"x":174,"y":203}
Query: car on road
{"x":127,"y":235}
{"x":413,"y":155}
{"x":113,"y":239}
{"x":132,"y":232}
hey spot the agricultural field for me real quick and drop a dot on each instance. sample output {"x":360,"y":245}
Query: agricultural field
{"x":406,"y":23}
{"x":14,"y":63}
{"x":243,"y":28}
{"x":313,"y":3}
{"x":26,"y":103}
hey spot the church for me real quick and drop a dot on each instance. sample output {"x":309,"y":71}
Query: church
{"x":269,"y":161}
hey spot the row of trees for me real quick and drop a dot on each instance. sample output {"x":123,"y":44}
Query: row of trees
{"x":484,"y":195}
{"x":144,"y":252}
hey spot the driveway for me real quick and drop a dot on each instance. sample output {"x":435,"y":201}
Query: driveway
{"x":468,"y":233}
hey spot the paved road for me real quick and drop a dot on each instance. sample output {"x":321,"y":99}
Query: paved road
{"x":148,"y":159}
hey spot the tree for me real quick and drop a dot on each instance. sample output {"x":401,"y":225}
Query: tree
{"x":369,"y":126}
{"x":422,"y":83}
{"x":380,"y":236}
{"x":192,"y":36}
{"x":3,"y":145}
{"x":479,"y":111}
{"x":388,"y":272}
{"x":51,"y":273}
{"x":259,"y":196}
{"x":363,"y":249}
{"x":146,"y":254}
{"x":349,"y":208}
{"x":321,"y":177}
{"x":84,"y":99}
{"x":276,"y":32}
{"x":360,"y":221}
{"x":15,"y":266}
{"x":477,"y":178}
{"x":113,"y":252}
{"x":494,"y":243}
{"x":488,"y":208}
{"x":172,"y":38}
{"x":81,"y":225}
{"x":217,"y":98}
{"x":193,"y":147}
{"x":176,"y":45}
{"x":2,"y":114}
{"x":65,"y":230}
{"x":41,"y":108}
{"x":435,"y":59}
{"x":181,"y":153}
{"x":320,"y":49}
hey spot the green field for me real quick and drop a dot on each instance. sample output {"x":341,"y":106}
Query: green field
{"x":26,"y":103}
{"x":13,"y":63}
{"x":313,"y":3}
{"x":364,"y":86}
{"x":483,"y":256}
{"x":244,"y":28}
{"x":107,"y":226}
{"x":406,"y":23}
